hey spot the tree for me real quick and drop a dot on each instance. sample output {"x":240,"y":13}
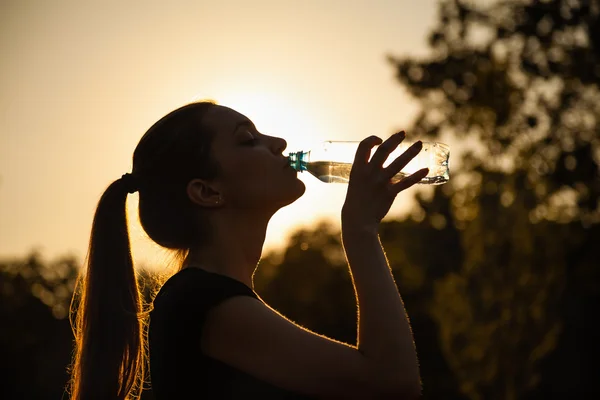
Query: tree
{"x":522,"y":79}
{"x":36,"y":338}
{"x":36,"y":341}
{"x":517,"y":81}
{"x":310,"y":284}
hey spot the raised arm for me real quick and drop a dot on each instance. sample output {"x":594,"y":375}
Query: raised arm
{"x":249,"y":335}
{"x":384,"y":333}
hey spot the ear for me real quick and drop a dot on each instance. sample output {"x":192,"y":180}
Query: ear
{"x":204,"y":194}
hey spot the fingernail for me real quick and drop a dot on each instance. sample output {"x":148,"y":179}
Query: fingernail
{"x":401,"y":133}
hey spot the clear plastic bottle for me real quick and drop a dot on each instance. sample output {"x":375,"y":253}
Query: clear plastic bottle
{"x":331,"y":162}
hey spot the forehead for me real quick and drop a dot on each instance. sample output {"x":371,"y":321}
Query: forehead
{"x":224,"y":121}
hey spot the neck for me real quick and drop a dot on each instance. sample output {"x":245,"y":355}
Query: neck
{"x":235,"y":247}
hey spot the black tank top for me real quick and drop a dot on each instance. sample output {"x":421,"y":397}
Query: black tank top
{"x":178,"y":368}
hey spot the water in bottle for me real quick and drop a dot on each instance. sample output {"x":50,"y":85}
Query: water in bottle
{"x":331,"y":162}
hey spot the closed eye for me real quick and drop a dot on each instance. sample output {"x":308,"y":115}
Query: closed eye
{"x":253,"y":138}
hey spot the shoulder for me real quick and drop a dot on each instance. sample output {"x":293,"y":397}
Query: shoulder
{"x":198,"y":290}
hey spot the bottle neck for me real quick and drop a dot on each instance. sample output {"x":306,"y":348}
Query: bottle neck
{"x":299,"y":160}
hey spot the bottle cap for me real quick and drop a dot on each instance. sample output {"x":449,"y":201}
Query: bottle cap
{"x":298,"y":160}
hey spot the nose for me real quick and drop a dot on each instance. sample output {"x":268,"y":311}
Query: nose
{"x":278,"y":145}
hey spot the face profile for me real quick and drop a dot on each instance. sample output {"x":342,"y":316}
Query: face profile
{"x":253,"y":172}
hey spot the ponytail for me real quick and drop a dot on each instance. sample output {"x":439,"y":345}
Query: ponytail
{"x":109,"y":356}
{"x":109,"y":323}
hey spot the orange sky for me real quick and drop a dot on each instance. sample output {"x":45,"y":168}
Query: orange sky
{"x":81,"y":83}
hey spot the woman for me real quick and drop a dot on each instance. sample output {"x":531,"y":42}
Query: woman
{"x":208,"y":184}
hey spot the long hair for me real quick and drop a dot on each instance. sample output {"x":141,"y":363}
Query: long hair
{"x":108,"y":316}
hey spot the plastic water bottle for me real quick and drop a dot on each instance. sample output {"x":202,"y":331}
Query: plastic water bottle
{"x":331,"y":162}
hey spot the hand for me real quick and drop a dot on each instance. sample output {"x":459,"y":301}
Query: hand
{"x":370,"y":189}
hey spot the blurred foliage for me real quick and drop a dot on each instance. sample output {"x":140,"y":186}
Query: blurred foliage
{"x":35,"y":339}
{"x":521,"y":78}
{"x":517,"y":82}
{"x":310,"y":284}
{"x":313,"y":268}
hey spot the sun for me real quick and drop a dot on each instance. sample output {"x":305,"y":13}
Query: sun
{"x":274,"y":115}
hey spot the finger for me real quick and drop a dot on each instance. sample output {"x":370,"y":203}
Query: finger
{"x":410,"y":180}
{"x":384,"y":151}
{"x":402,"y":160}
{"x":363,"y":152}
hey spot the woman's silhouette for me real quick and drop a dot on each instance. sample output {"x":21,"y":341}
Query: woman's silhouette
{"x":208,"y":184}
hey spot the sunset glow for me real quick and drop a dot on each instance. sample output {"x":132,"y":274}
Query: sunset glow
{"x":82,"y":83}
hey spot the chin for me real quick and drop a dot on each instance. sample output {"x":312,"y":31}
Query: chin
{"x":294,"y":193}
{"x":301,"y":189}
